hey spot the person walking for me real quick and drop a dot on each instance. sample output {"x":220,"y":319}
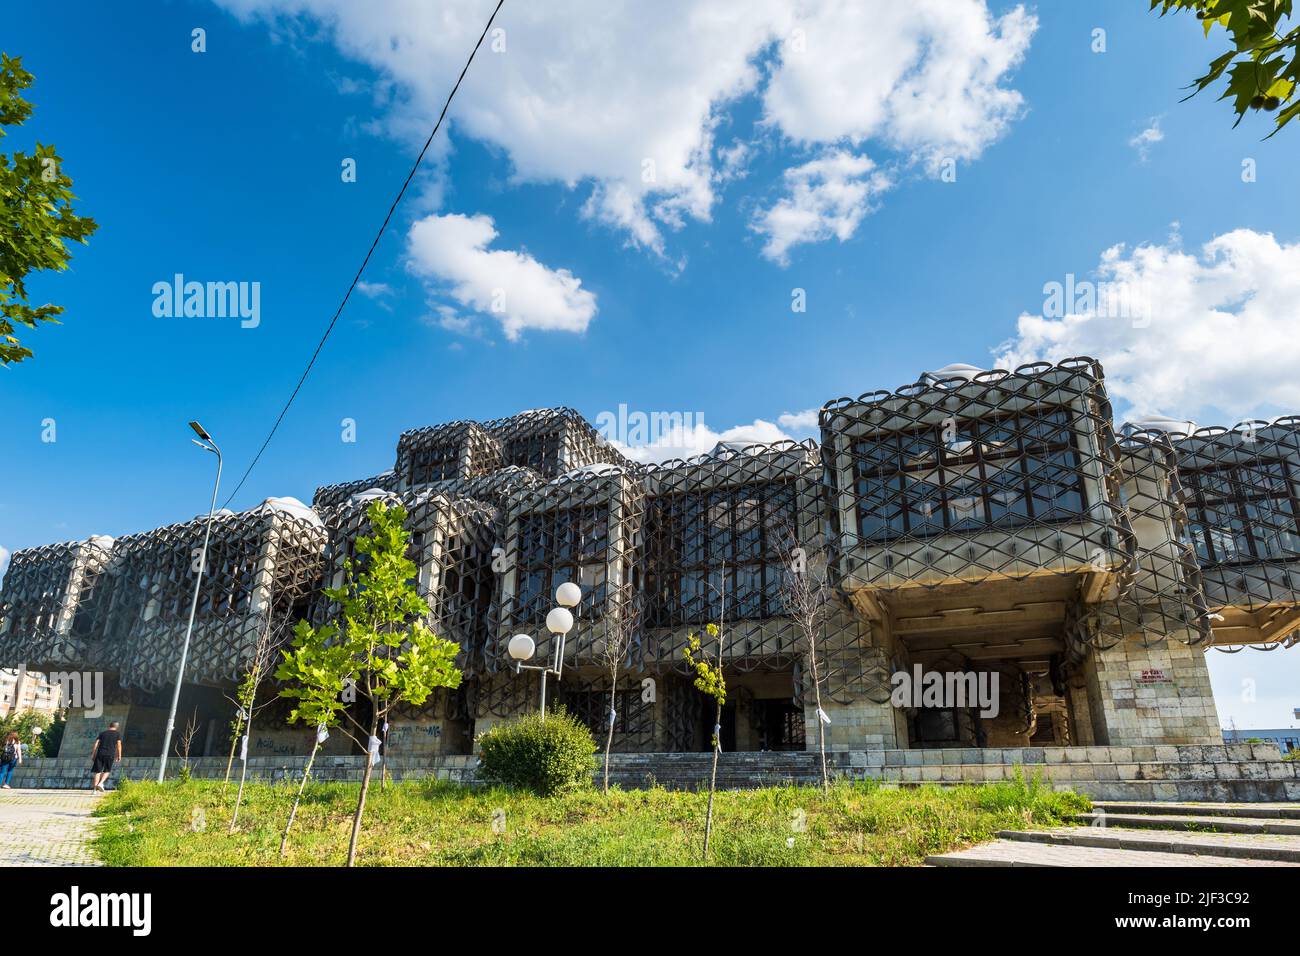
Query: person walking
{"x":106,"y":752}
{"x":11,"y":757}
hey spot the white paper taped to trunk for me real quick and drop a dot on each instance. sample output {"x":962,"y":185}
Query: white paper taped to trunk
{"x":243,"y":747}
{"x":821,"y":714}
{"x":374,"y":751}
{"x":322,"y":734}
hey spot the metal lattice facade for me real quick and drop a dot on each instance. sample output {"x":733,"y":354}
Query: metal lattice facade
{"x":451,"y":545}
{"x":49,"y":602}
{"x":981,"y":521}
{"x":1242,"y":498}
{"x":261,"y":568}
{"x":968,"y":478}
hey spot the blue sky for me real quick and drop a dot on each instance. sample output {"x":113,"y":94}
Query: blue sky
{"x":225,"y":166}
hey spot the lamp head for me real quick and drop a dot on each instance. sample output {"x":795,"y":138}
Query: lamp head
{"x":559,"y":620}
{"x":568,"y":594}
{"x":200,"y":431}
{"x":521,"y":647}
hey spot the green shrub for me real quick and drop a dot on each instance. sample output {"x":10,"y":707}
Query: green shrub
{"x":550,"y":755}
{"x":1292,"y":754}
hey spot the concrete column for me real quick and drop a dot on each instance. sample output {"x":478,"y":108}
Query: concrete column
{"x":1151,"y":695}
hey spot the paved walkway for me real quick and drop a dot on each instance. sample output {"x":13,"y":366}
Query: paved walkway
{"x":1256,"y":846}
{"x":1150,"y":834}
{"x":1018,"y":853}
{"x":46,"y":828}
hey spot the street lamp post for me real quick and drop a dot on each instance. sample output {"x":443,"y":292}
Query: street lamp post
{"x":559,"y":622}
{"x":207,"y":444}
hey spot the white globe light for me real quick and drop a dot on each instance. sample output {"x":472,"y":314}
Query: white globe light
{"x":568,"y":594}
{"x":559,"y":621}
{"x":521,"y":647}
{"x":37,"y":731}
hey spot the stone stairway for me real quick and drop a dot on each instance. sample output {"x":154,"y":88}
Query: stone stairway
{"x":1158,"y":834}
{"x":1193,"y":823}
{"x":736,"y":771}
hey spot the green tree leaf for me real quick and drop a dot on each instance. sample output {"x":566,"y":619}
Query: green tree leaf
{"x":37,"y":218}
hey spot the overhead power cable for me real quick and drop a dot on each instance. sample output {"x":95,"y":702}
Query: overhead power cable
{"x":366,"y":261}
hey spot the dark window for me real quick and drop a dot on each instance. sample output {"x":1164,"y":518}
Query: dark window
{"x":540,"y":452}
{"x":780,"y":725}
{"x":434,"y":463}
{"x":1003,"y":473}
{"x":569,"y":544}
{"x":36,"y":611}
{"x":693,"y":535}
{"x":634,"y":723}
{"x":1242,"y":514}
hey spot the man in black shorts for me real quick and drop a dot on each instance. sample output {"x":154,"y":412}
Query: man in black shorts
{"x":106,"y":752}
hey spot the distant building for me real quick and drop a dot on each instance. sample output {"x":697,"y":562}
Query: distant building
{"x":27,"y":690}
{"x":1287,"y":739}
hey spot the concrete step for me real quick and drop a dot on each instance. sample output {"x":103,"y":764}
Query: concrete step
{"x":1023,"y":853}
{"x":1263,"y":811}
{"x":1169,"y":821}
{"x":1241,"y":846}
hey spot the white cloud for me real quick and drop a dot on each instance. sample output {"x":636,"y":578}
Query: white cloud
{"x":1144,"y":140}
{"x":374,"y":290}
{"x":4,"y":561}
{"x":804,"y":421}
{"x":925,"y":76}
{"x":512,"y":287}
{"x":826,"y":197}
{"x":1210,"y":332}
{"x":699,"y":438}
{"x":623,"y":100}
{"x":451,"y":319}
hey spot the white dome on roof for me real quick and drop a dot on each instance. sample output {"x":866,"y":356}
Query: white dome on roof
{"x":956,"y":370}
{"x":370,"y":494}
{"x":291,"y":506}
{"x":1160,"y":423}
{"x":724,"y":448}
{"x":948,"y":372}
{"x":599,"y":468}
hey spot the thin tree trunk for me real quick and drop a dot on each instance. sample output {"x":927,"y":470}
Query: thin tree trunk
{"x":609,"y":737}
{"x":230,"y":761}
{"x":243,"y":775}
{"x":821,"y":724}
{"x":361,"y":803}
{"x":247,"y":721}
{"x":713,"y":778}
{"x":293,"y":811}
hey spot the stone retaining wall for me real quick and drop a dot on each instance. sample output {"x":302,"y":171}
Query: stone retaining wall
{"x":1232,"y":772}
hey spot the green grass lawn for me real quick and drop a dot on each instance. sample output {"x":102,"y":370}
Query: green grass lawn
{"x":425,"y":823}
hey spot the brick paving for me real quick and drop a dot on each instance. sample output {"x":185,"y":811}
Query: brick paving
{"x":46,"y":828}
